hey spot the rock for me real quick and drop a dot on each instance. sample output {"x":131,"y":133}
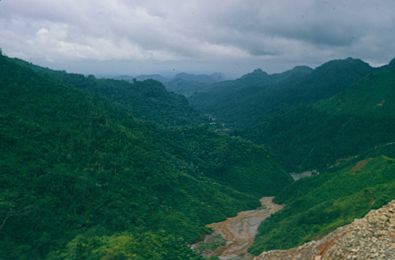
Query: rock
{"x":372,"y":237}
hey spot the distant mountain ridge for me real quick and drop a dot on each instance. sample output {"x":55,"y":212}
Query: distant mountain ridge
{"x":156,"y":77}
{"x":182,"y":83}
{"x":282,"y":111}
{"x":254,"y":95}
{"x":147,"y":99}
{"x":202,"y":78}
{"x":189,"y":84}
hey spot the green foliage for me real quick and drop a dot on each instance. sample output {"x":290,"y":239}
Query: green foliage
{"x":318,"y":205}
{"x":333,"y":116}
{"x":348,"y":124}
{"x":78,"y":172}
{"x":96,"y":168}
{"x":125,"y":246}
{"x":246,"y":102}
{"x":146,"y":99}
{"x":280,"y":111}
{"x":231,"y":161}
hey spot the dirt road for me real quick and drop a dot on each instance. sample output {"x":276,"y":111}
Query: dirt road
{"x":239,"y":231}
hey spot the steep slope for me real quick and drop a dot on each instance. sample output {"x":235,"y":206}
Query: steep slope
{"x":218,"y":156}
{"x":224,"y":98}
{"x":311,"y":119}
{"x":371,"y":237}
{"x":350,"y":123}
{"x":317,"y":205}
{"x":255,"y":96}
{"x":234,"y":162}
{"x":82,"y":177}
{"x":146,"y":99}
{"x":331,"y":78}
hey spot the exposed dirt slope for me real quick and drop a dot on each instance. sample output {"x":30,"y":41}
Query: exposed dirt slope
{"x":372,"y":237}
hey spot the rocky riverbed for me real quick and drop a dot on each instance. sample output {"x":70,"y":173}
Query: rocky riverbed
{"x":238,"y":232}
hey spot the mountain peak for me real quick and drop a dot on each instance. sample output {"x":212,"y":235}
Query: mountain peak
{"x":257,"y":74}
{"x":258,"y":71}
{"x":342,"y":64}
{"x":392,"y":63}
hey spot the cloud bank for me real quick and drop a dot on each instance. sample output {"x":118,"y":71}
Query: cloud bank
{"x":233,"y":36}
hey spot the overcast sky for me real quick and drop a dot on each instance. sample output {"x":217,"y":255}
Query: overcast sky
{"x":229,"y":36}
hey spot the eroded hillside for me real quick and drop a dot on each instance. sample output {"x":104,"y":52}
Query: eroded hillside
{"x":371,"y":237}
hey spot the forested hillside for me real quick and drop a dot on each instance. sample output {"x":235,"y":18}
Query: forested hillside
{"x":83,"y":177}
{"x":317,"y":205}
{"x":254,"y":97}
{"x":147,"y":99}
{"x":338,"y":118}
{"x":312,"y":118}
{"x":202,"y":130}
{"x":96,"y":168}
{"x":352,"y":122}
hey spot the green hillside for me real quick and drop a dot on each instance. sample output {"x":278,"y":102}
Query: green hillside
{"x":318,"y":205}
{"x":249,"y":169}
{"x":234,"y":162}
{"x":147,"y":99}
{"x":98,"y":168}
{"x":352,"y":133}
{"x":84,"y":178}
{"x":309,"y":118}
{"x":248,"y":101}
{"x":338,"y":118}
{"x":316,"y":135}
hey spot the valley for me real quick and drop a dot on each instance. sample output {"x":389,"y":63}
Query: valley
{"x":197,"y":130}
{"x":239,"y":231}
{"x":102,"y":168}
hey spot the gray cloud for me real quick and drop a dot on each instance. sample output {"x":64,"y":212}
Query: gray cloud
{"x":232,"y":36}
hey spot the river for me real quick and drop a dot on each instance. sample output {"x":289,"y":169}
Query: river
{"x":239,"y":232}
